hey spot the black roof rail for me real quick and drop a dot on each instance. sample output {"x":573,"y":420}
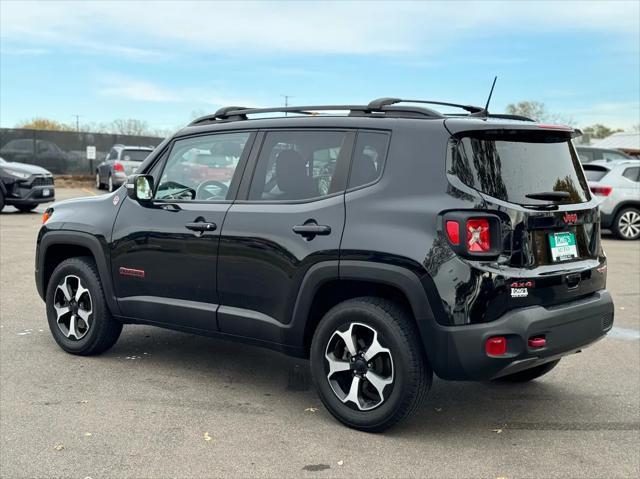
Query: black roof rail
{"x":382,"y":102}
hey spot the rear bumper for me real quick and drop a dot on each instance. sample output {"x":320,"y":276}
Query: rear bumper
{"x":459,"y":351}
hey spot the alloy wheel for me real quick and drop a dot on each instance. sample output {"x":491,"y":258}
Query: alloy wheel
{"x":74,"y":307}
{"x":359,"y":369}
{"x":629,"y":224}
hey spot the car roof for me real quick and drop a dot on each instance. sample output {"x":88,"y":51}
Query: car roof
{"x":133,"y":147}
{"x":610,"y":164}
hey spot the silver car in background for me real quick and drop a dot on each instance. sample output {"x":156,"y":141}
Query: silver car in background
{"x":618,"y":184}
{"x":121,"y":162}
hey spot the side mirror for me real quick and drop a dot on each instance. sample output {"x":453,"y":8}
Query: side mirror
{"x":140,"y":187}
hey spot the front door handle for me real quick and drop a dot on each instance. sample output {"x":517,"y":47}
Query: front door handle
{"x":201,"y":226}
{"x":310,"y":230}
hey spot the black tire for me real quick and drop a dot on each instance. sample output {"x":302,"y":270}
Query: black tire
{"x":110,"y":186}
{"x":626,"y":225}
{"x":1,"y":200}
{"x":396,"y":330}
{"x":529,"y":374}
{"x":26,"y":208}
{"x":104,"y":330}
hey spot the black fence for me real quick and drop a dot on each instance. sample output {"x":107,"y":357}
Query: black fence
{"x":64,"y":152}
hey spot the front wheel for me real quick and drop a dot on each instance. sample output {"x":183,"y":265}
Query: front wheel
{"x":78,"y":315}
{"x":626,"y":226}
{"x":98,"y":184}
{"x":368,"y":364}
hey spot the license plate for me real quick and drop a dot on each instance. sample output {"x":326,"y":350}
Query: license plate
{"x":563,"y":246}
{"x":46,"y":192}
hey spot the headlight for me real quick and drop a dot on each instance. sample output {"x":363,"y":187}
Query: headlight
{"x":17,"y":174}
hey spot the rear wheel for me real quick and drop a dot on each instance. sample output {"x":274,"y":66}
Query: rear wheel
{"x":98,"y":184}
{"x":626,"y":226}
{"x":529,"y":374}
{"x":110,"y":184}
{"x":368,"y":364}
{"x":78,"y":315}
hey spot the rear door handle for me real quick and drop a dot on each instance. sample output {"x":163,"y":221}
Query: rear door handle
{"x":311,"y":230}
{"x":201,"y":226}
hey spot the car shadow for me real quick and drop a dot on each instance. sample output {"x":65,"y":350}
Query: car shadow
{"x":488,"y":407}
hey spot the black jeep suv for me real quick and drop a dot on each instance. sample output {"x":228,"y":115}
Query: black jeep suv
{"x":385,"y":244}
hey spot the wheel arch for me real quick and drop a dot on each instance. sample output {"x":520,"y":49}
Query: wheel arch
{"x":57,"y":246}
{"x":625,"y":204}
{"x":327,"y":284}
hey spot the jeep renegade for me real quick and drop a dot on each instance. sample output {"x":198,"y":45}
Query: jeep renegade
{"x":384,"y":243}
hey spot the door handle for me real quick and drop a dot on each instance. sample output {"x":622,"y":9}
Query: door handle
{"x":201,"y":226}
{"x":311,"y":229}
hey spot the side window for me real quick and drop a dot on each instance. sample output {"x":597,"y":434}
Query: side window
{"x":632,"y":173}
{"x":201,"y":168}
{"x":368,"y":158}
{"x":113,"y":154}
{"x":585,"y":156}
{"x":612,"y":155}
{"x":299,"y":165}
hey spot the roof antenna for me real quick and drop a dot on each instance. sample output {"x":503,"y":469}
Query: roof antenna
{"x":486,"y":107}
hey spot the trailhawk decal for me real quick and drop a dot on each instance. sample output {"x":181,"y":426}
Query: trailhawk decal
{"x":134,"y":273}
{"x":520,"y":289}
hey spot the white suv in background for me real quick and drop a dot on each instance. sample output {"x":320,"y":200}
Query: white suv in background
{"x":618,"y":184}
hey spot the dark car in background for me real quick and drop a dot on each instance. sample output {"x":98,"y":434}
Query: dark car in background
{"x":587,"y":154}
{"x":121,"y":162}
{"x":24,"y":186}
{"x":43,"y":153}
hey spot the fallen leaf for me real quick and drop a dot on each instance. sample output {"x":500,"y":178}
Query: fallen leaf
{"x":311,"y":409}
{"x":84,"y":401}
{"x":207,"y":437}
{"x":87,"y":434}
{"x":340,"y":463}
{"x":497,"y":431}
{"x":58,"y":447}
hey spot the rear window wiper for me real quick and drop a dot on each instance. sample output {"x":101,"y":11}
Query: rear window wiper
{"x":549,"y":196}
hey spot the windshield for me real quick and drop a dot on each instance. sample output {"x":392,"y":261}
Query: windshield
{"x":134,"y":155}
{"x":509,"y":165}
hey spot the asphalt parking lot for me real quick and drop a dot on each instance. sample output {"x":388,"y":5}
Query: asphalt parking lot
{"x":168,"y":404}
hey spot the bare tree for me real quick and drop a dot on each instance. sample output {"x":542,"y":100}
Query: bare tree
{"x":536,"y":111}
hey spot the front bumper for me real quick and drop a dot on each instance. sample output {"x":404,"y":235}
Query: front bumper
{"x":31,"y":196}
{"x":459,"y":351}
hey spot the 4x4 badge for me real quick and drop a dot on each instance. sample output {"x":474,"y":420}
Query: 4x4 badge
{"x":520,"y":289}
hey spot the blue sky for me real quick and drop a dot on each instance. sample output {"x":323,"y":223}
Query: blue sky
{"x":161,"y":62}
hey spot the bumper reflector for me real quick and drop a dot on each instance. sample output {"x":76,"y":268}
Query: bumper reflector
{"x":496,"y":346}
{"x":537,"y":342}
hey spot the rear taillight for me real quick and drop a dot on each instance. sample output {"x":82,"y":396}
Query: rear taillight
{"x":601,"y":190}
{"x":478,"y":235}
{"x":453,"y":232}
{"x":473,"y":233}
{"x":118,"y":167}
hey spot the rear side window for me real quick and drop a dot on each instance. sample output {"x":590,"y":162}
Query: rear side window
{"x":632,"y":173}
{"x":510,"y":164}
{"x":368,"y":158}
{"x":595,"y":172}
{"x":613,"y":155}
{"x":300,"y":165}
{"x":585,"y":155}
{"x":134,"y":155}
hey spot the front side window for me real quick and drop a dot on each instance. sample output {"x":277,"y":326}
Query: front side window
{"x":298,"y":165}
{"x":202,"y":168}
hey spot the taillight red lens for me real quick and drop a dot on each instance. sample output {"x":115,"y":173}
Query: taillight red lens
{"x":478,"y":237}
{"x":496,"y":346}
{"x":601,"y":190}
{"x":453,"y":232}
{"x":118,"y":167}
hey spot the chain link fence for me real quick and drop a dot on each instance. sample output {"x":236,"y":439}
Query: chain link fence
{"x":64,"y":152}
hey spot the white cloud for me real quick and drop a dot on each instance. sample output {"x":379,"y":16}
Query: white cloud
{"x":139,"y":90}
{"x":146,"y":29}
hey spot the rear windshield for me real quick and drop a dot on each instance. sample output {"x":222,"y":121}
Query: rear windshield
{"x":510,"y":164}
{"x":594,"y":172}
{"x":134,"y":155}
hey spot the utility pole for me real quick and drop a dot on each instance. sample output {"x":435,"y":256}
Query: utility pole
{"x":77,"y":122}
{"x":286,"y":102}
